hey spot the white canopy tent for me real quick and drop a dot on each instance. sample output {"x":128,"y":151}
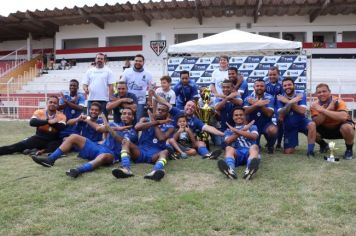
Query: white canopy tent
{"x":234,"y":42}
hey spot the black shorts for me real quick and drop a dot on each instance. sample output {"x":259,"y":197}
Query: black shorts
{"x":333,"y":133}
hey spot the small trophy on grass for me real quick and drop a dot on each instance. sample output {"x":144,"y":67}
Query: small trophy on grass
{"x":331,"y":157}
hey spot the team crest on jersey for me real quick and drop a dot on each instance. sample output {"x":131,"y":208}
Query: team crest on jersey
{"x":158,"y":46}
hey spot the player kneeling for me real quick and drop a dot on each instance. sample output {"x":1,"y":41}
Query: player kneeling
{"x":241,"y":147}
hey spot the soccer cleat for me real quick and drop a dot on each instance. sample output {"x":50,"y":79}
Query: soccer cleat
{"x":156,"y":175}
{"x":324,"y":148}
{"x":310,"y":154}
{"x":74,"y":173}
{"x":348,"y":155}
{"x":213,"y":155}
{"x":172,"y":155}
{"x":122,"y":173}
{"x":251,"y":169}
{"x":30,"y":151}
{"x":42,"y":160}
{"x":226,"y":170}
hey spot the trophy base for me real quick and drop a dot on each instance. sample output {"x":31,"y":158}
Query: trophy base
{"x":331,"y":159}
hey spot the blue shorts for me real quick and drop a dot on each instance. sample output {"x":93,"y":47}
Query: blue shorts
{"x":91,"y":150}
{"x":291,"y":133}
{"x":146,"y":154}
{"x":242,"y":156}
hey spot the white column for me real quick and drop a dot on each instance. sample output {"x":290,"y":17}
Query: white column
{"x":29,"y":47}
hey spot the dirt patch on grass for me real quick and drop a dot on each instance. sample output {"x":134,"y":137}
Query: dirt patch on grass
{"x":193,"y":181}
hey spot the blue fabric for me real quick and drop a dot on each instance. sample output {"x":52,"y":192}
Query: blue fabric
{"x":291,"y":133}
{"x":203,"y":151}
{"x":194,"y":123}
{"x":230,"y":161}
{"x":293,"y":119}
{"x":91,"y":150}
{"x":185,"y":93}
{"x":241,"y":141}
{"x":85,"y":168}
{"x":117,"y":110}
{"x":88,"y":132}
{"x":56,"y":154}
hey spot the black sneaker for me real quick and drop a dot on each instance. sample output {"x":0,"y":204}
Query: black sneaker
{"x":251,"y":169}
{"x":213,"y":155}
{"x":270,"y":150}
{"x":122,"y":173}
{"x":324,"y":148}
{"x":42,"y":160}
{"x":226,"y":170}
{"x":156,"y":175}
{"x":348,"y":155}
{"x":172,"y":155}
{"x":74,"y":173}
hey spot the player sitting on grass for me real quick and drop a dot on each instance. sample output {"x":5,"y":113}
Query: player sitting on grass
{"x":96,"y":154}
{"x":152,"y":145}
{"x":241,"y":147}
{"x":292,"y":109}
{"x":183,"y":141}
{"x":88,"y":126}
{"x":194,"y":123}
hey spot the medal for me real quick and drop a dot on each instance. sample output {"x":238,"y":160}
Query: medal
{"x":73,"y":112}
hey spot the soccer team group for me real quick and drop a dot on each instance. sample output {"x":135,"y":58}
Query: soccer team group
{"x":169,"y":127}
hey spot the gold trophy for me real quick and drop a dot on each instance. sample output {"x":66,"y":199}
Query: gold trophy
{"x":204,"y":113}
{"x":331,"y":157}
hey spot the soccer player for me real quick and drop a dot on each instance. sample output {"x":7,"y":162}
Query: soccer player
{"x":239,"y":84}
{"x":292,"y":109}
{"x":152,"y":145}
{"x":88,"y":126}
{"x":219,"y":75}
{"x":274,"y":87}
{"x":185,"y":90}
{"x":194,"y":123}
{"x":138,"y":81}
{"x":259,"y":107}
{"x":183,"y":141}
{"x":332,"y":120}
{"x":122,"y":99}
{"x":241,"y":147}
{"x":224,"y":105}
{"x":96,"y":154}
{"x":72,"y":104}
{"x":48,"y":122}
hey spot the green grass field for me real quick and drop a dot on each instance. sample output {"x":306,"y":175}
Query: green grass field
{"x":289,"y":195}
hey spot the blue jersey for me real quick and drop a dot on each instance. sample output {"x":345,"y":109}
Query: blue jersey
{"x":243,"y":90}
{"x":110,"y":142}
{"x":68,"y":111}
{"x":226,"y":112}
{"x":261,"y":120}
{"x":185,"y":93}
{"x":293,"y":119}
{"x":242,"y":142}
{"x":87,"y":131}
{"x":71,"y":113}
{"x":117,"y":110}
{"x":149,"y":139}
{"x":194,"y":123}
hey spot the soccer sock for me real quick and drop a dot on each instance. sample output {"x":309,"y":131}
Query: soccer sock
{"x":322,"y":143}
{"x":85,"y":167}
{"x":159,"y":165}
{"x":125,"y":159}
{"x":311,"y":147}
{"x":203,"y":151}
{"x":230,"y":161}
{"x":349,"y":146}
{"x":56,"y":154}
